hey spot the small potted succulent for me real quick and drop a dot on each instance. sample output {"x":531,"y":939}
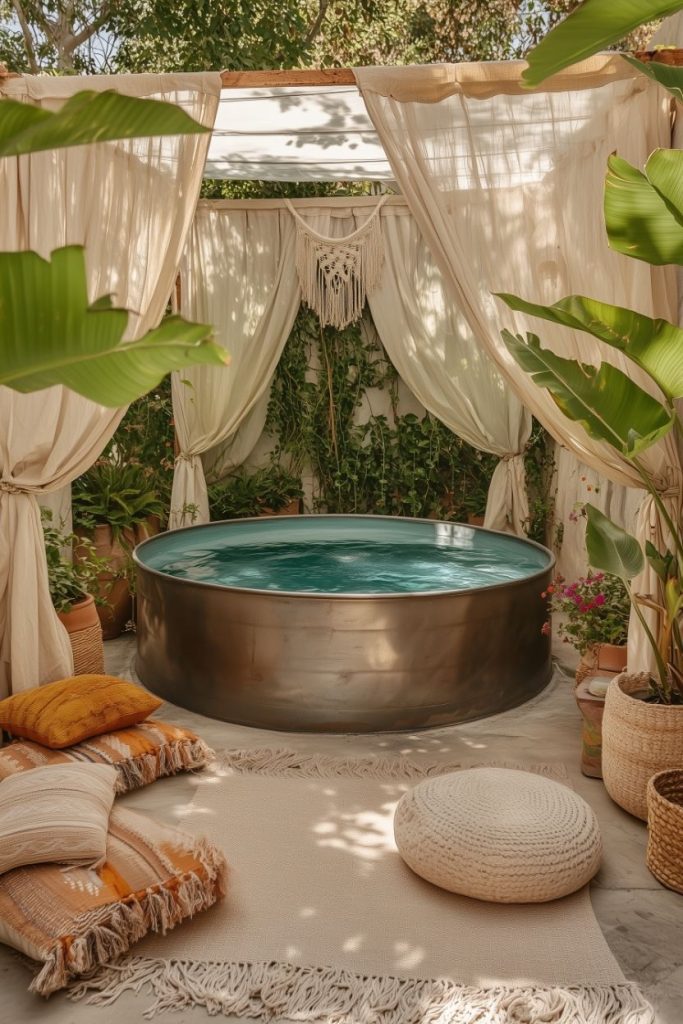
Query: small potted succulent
{"x":73,"y":585}
{"x":114,"y":509}
{"x":594,"y":614}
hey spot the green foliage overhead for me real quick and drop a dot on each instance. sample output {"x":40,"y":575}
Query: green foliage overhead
{"x":51,"y":334}
{"x":602,"y":399}
{"x":610,"y":548}
{"x":88,"y":117}
{"x":644,"y":211}
{"x":655,"y":345}
{"x":593,"y":26}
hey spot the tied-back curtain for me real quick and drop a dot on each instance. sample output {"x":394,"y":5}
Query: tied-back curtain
{"x":506,"y":187}
{"x":435,"y":352}
{"x":130,"y":204}
{"x":239,"y":274}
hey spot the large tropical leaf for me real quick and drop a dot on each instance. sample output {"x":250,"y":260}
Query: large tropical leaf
{"x":643,"y":214}
{"x":51,"y":334}
{"x":88,"y":117}
{"x":655,"y":345}
{"x":592,"y":27}
{"x":603,"y":399}
{"x":610,"y":548}
{"x":668,"y":75}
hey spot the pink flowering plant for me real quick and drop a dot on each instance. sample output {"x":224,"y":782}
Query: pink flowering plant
{"x":595,"y":610}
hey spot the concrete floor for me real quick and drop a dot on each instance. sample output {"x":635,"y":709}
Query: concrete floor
{"x":642,"y":921}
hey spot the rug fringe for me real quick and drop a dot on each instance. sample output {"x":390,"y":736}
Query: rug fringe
{"x":109,"y":931}
{"x":293,"y":764}
{"x":267,"y":991}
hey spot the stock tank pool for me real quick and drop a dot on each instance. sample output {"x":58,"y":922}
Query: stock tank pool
{"x":342,"y":623}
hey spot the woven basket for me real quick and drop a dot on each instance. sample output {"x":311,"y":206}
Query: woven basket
{"x":638,"y":740}
{"x":83,"y":625}
{"x":665,"y":819}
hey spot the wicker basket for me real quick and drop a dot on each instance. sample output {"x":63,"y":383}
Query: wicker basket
{"x":638,"y":740}
{"x":83,"y":625}
{"x":665,"y":818}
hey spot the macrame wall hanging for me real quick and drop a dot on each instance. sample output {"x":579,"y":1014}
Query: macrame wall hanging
{"x":336,"y":274}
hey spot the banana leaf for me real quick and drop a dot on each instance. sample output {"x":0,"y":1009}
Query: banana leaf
{"x":88,"y":117}
{"x":644,"y":211}
{"x":610,"y":548}
{"x":668,"y":75}
{"x":655,"y":345}
{"x":51,"y":334}
{"x":604,"y":400}
{"x":592,"y":27}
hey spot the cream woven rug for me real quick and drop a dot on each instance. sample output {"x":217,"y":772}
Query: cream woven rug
{"x":324,"y":923}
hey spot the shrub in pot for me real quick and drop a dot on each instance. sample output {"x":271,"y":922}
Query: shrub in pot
{"x":72,"y":587}
{"x":270,"y":490}
{"x":113,"y":510}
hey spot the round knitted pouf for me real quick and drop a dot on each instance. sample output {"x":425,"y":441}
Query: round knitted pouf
{"x":498,"y":834}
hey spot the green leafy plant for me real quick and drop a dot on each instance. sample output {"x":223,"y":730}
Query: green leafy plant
{"x":244,"y":494}
{"x":593,"y":26}
{"x":644,"y":217}
{"x":50,"y":332}
{"x":595,"y":610}
{"x":116,"y":494}
{"x":70,"y":581}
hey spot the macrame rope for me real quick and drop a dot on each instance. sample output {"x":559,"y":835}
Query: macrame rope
{"x":336,"y":274}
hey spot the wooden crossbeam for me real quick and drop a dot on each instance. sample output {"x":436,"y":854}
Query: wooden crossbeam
{"x":293,"y":77}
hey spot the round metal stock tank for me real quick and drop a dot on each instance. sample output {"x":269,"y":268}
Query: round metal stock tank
{"x":300,"y":659}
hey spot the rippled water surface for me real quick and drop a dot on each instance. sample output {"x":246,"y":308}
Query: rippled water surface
{"x":418,"y":561}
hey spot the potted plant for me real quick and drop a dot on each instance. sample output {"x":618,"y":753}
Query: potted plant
{"x":113,"y":510}
{"x":72,"y":588}
{"x":594,"y":615}
{"x":271,"y":490}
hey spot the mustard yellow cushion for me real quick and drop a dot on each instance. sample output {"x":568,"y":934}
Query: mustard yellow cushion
{"x":69,"y":711}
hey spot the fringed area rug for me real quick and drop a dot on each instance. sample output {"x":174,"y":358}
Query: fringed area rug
{"x":324,"y":922}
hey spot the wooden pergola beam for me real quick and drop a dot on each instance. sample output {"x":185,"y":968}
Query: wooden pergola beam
{"x":294,"y":77}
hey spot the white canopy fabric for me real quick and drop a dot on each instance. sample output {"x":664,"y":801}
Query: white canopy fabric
{"x":314,"y":133}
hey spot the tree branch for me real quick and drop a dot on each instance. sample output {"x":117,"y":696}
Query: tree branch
{"x":28,"y":38}
{"x":317,"y":22}
{"x":89,"y":30}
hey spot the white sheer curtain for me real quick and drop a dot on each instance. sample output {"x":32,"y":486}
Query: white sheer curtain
{"x":436,"y":354}
{"x":238,"y":273}
{"x":130,"y":204}
{"x":506,"y":187}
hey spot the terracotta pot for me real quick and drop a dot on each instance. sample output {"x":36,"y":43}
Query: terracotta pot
{"x":602,"y":659}
{"x":475,"y":520}
{"x":639,"y":739}
{"x":83,"y":625}
{"x":150,"y":528}
{"x":292,"y":509}
{"x":113,"y":588}
{"x":592,"y":709}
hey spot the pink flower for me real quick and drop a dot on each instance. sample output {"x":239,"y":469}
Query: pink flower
{"x":545,"y":629}
{"x":599,"y":599}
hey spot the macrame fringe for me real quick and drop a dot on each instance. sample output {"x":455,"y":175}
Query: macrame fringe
{"x":108,"y":932}
{"x":169,"y":759}
{"x":281,"y":991}
{"x":336,"y":274}
{"x":286,"y":763}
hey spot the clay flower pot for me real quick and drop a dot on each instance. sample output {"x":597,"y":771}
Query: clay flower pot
{"x":291,"y":509}
{"x":601,"y":659}
{"x":113,"y":587}
{"x":639,"y":739}
{"x":83,"y":625}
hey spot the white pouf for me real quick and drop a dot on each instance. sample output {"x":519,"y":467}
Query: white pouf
{"x":498,"y":834}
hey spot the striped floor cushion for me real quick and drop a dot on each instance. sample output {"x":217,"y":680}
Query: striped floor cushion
{"x":73,"y":920}
{"x":141,"y":753}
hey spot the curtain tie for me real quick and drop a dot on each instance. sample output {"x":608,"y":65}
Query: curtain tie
{"x":185,"y":457}
{"x":11,"y":488}
{"x":510,"y":456}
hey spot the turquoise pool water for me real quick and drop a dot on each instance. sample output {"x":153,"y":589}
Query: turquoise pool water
{"x":343,"y":555}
